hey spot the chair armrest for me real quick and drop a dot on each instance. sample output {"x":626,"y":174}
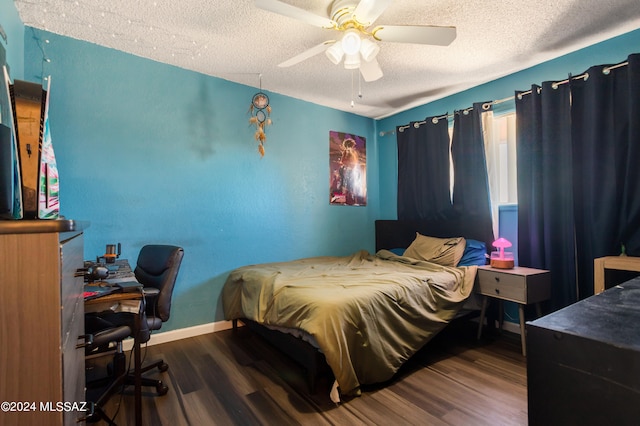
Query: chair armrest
{"x":150,"y":291}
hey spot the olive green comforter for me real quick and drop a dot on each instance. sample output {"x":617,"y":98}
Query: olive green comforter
{"x":367,"y":313}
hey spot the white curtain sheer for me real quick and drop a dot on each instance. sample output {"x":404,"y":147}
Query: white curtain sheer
{"x":500,"y":150}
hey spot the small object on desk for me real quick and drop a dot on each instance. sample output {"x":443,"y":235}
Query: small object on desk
{"x":96,"y":291}
{"x":126,"y":283}
{"x":110,"y":254}
{"x":128,"y":286}
{"x":93,"y":272}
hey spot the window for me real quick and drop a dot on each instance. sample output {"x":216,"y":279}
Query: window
{"x":500,"y":149}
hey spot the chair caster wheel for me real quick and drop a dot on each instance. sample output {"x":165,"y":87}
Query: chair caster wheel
{"x":163,"y":367}
{"x":162,"y":389}
{"x":91,"y":418}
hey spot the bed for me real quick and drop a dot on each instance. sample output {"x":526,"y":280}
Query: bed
{"x":364,"y":314}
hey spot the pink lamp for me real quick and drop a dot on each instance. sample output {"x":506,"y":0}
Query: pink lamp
{"x":501,"y":259}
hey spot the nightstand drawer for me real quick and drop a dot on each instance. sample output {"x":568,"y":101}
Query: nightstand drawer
{"x":504,"y":286}
{"x":520,"y":285}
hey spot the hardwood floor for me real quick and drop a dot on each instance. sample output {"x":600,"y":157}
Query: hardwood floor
{"x":239,"y":379}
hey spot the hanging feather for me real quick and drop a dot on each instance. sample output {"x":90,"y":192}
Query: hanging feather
{"x":260,"y":112}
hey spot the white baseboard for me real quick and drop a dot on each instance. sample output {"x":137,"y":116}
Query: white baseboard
{"x":183,"y":333}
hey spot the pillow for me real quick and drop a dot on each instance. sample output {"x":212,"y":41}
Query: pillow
{"x":443,"y":251}
{"x":475,"y":253}
{"x":398,"y":251}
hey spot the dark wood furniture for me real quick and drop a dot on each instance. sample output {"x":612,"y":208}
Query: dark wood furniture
{"x":583,"y":366}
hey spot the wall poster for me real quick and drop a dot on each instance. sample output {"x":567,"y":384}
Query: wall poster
{"x":348,"y":169}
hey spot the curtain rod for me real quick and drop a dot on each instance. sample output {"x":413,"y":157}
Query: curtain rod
{"x":487,"y":105}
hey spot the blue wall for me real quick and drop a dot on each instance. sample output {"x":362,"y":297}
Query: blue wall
{"x":151,"y":153}
{"x":14,"y":46}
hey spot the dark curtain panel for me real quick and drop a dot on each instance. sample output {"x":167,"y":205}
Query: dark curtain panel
{"x":423,"y":171}
{"x":606,"y":169}
{"x":470,"y":182}
{"x":630,"y":220}
{"x":545,"y":205}
{"x":578,"y":175}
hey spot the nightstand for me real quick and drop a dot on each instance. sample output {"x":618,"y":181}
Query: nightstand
{"x":520,"y":285}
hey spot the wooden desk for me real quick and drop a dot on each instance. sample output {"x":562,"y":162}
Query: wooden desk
{"x":111,"y":299}
{"x":621,"y":263}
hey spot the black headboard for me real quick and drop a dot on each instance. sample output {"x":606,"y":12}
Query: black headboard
{"x":392,"y":234}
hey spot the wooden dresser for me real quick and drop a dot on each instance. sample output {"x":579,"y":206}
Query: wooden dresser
{"x":41,"y":318}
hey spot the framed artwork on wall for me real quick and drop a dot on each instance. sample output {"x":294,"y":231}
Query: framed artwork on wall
{"x":347,"y":169}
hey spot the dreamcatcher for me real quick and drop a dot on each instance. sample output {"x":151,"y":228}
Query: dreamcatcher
{"x":260,"y":111}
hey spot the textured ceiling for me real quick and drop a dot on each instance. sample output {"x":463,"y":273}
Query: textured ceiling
{"x":236,"y":41}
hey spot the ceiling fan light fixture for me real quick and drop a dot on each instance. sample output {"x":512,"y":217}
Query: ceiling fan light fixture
{"x":352,"y":62}
{"x":335,"y":53}
{"x":351,"y":42}
{"x":369,"y":50}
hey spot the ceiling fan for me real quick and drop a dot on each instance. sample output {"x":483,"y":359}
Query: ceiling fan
{"x":354,"y":18}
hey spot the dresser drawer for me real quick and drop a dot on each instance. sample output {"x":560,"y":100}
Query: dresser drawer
{"x":504,"y":286}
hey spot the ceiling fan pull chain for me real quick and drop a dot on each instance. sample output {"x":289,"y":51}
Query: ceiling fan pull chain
{"x":352,"y":90}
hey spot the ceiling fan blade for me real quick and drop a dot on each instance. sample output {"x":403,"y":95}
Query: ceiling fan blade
{"x":307,"y":54}
{"x":368,"y":11}
{"x":420,"y":34}
{"x":284,"y":9}
{"x":370,"y":70}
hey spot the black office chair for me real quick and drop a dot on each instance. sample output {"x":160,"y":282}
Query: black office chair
{"x":157,"y":269}
{"x":105,"y":336}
